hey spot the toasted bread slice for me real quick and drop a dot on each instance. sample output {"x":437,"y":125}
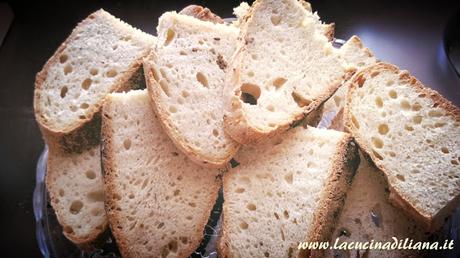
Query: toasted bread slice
{"x":356,"y":54}
{"x":101,"y":54}
{"x":185,"y":77}
{"x":285,"y":67}
{"x":158,"y":201}
{"x":412,"y":134}
{"x":286,"y":191}
{"x":75,"y":186}
{"x":367,"y":215}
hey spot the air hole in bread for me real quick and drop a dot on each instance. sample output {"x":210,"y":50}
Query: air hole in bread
{"x":164,"y":87}
{"x":254,"y":56}
{"x":405,"y":105}
{"x":244,"y":225}
{"x":176,"y":192}
{"x":172,"y":109}
{"x":360,"y":80}
{"x":63,"y":58}
{"x":286,"y":214}
{"x":271,"y":108}
{"x":445,"y":150}
{"x":279,"y":82}
{"x":251,"y":74}
{"x":96,"y":196}
{"x":84,"y":106}
{"x":454,"y":162}
{"x":251,"y":207}
{"x":126,"y":38}
{"x":68,"y":229}
{"x":182,"y":53}
{"x":76,"y":207}
{"x":239,"y":190}
{"x":215,"y":132}
{"x":111,"y":73}
{"x":67,"y":69}
{"x":393,"y":94}
{"x":435,"y":113}
{"x":439,"y":124}
{"x":192,"y":204}
{"x":377,"y":142}
{"x":276,"y":215}
{"x":114,"y":47}
{"x":289,"y":178}
{"x":377,"y":155}
{"x":86,"y":84}
{"x":375,"y":74}
{"x":185,"y":94}
{"x":96,"y":212}
{"x":201,"y":78}
{"x":93,"y":71}
{"x":131,"y":196}
{"x":73,"y":108}
{"x":275,"y":19}
{"x":127,"y":144}
{"x":90,"y":174}
{"x":301,"y":102}
{"x":61,"y":192}
{"x":266,"y":254}
{"x":417,"y":119}
{"x":392,"y":154}
{"x":400,"y":177}
{"x":354,"y":121}
{"x":282,"y":234}
{"x":250,"y":93}
{"x":64,"y":91}
{"x":383,"y":129}
{"x":164,"y":251}
{"x":408,"y":128}
{"x":184,"y":240}
{"x":172,"y":246}
{"x":170,"y":34}
{"x":416,"y":107}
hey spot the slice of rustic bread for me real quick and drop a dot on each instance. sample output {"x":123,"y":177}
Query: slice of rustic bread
{"x":367,"y":215}
{"x":412,"y":134}
{"x":284,"y":68}
{"x":158,"y":201}
{"x":185,"y":77}
{"x":356,"y":54}
{"x":101,"y":54}
{"x":285,"y":191}
{"x":75,"y":186}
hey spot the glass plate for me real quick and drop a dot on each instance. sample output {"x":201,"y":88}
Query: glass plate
{"x":53,"y":244}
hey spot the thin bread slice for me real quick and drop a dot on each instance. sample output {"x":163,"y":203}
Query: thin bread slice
{"x":185,"y":77}
{"x":158,"y":201}
{"x":286,"y":191}
{"x":284,"y":68}
{"x":356,"y":54}
{"x":101,"y":54}
{"x":75,"y":186}
{"x":412,"y":134}
{"x":367,"y":215}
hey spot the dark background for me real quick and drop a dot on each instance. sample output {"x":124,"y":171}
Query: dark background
{"x":404,"y":33}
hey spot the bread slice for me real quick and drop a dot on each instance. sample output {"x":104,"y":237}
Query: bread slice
{"x":284,"y":68}
{"x":158,"y":202}
{"x":101,"y":54}
{"x":75,"y":186}
{"x":367,"y":215}
{"x":412,"y":134}
{"x":286,"y":191}
{"x":357,"y":55}
{"x":185,"y":77}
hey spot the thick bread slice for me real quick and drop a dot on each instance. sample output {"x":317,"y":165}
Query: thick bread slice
{"x":356,"y":54}
{"x":413,"y":135}
{"x":284,"y":68}
{"x":101,"y":54}
{"x":75,"y":186}
{"x":286,"y":191}
{"x":185,"y":77}
{"x":158,"y":201}
{"x":367,"y":215}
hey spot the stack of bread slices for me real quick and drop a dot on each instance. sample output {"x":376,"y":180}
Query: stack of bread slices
{"x":145,"y":131}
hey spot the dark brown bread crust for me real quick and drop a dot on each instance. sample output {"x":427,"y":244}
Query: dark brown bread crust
{"x":79,"y":137}
{"x":345,"y":163}
{"x":201,"y":13}
{"x":430,"y":223}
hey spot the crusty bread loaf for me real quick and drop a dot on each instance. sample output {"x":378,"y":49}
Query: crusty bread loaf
{"x":158,"y":201}
{"x":413,"y":135}
{"x":285,"y":191}
{"x":284,"y":68}
{"x":98,"y":57}
{"x":356,"y":54}
{"x":367,"y":215}
{"x":75,"y":186}
{"x":185,"y":77}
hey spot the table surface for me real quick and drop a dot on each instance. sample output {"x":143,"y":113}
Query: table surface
{"x":408,"y":35}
